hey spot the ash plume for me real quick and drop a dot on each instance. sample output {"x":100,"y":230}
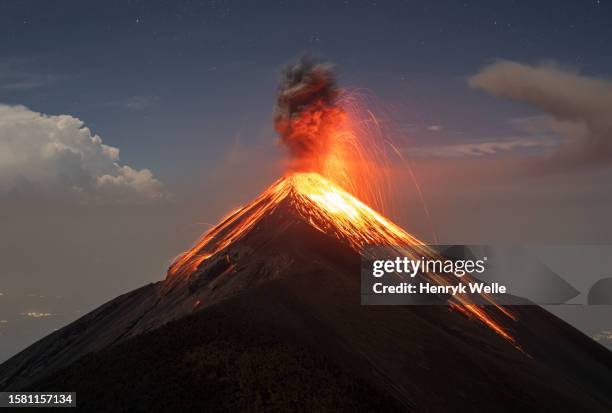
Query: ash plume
{"x":307,"y":111}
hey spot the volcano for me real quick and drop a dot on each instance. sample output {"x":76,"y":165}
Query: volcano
{"x":264,"y":314}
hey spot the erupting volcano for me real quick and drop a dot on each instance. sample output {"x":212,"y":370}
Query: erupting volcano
{"x":326,"y":152}
{"x":263,"y":313}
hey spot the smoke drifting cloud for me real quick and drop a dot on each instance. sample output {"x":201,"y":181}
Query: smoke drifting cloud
{"x":306,"y":111}
{"x":578,"y":108}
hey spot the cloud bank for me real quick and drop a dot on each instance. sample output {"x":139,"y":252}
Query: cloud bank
{"x":578,"y":108}
{"x":58,"y":157}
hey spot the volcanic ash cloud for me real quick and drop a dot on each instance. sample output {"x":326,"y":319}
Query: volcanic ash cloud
{"x":307,"y":112}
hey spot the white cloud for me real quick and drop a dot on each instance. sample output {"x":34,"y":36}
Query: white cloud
{"x":57,"y":156}
{"x":434,"y":128}
{"x":578,"y":108}
{"x":482,"y":149}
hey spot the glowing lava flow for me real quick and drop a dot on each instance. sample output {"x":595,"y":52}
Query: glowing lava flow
{"x":323,"y":204}
{"x":333,"y":211}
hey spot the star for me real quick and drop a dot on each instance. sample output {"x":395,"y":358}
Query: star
{"x":314,"y":38}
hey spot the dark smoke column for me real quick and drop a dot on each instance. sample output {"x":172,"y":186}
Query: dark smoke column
{"x":307,"y":114}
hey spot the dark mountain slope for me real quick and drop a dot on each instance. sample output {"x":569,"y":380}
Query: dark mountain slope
{"x":304,"y":342}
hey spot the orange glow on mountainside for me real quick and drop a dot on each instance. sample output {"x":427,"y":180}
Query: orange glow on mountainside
{"x":333,"y":211}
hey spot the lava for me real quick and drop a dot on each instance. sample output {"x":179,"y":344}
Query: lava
{"x":333,"y":211}
{"x":320,"y":202}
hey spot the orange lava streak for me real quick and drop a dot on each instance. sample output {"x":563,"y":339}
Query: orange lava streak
{"x":229,"y":230}
{"x":335,"y":212}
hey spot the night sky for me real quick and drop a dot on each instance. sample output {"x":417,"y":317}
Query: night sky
{"x":474,"y":91}
{"x":170,"y":83}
